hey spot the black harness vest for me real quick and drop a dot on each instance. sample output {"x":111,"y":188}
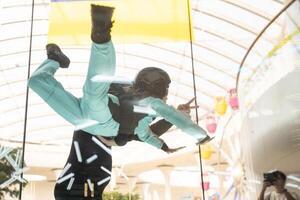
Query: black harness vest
{"x":124,"y":114}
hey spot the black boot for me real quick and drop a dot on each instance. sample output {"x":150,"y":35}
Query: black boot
{"x":101,"y":23}
{"x":204,"y":140}
{"x":54,"y":53}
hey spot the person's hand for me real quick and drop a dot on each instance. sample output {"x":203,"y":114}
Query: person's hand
{"x":186,"y":108}
{"x":266,"y":184}
{"x":166,"y":149}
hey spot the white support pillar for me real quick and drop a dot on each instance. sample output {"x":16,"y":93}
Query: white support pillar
{"x":146,"y":194}
{"x":166,"y":171}
{"x":145,"y":189}
{"x":131,"y":185}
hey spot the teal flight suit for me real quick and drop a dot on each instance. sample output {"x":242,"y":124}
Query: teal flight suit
{"x":94,"y":103}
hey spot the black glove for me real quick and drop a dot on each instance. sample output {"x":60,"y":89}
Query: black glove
{"x":166,"y":149}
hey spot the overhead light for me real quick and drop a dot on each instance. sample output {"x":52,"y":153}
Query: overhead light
{"x":294,"y":178}
{"x":292,"y":185}
{"x":34,"y":177}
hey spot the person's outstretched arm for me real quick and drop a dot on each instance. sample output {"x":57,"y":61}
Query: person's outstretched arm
{"x":145,"y":134}
{"x":162,"y":126}
{"x":175,"y":117}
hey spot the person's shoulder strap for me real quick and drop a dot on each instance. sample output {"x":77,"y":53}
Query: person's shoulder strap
{"x":117,"y":89}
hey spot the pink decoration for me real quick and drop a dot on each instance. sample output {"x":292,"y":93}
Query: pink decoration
{"x":233,"y":99}
{"x":211,"y":128}
{"x":211,"y":124}
{"x":206,"y":186}
{"x":205,"y":181}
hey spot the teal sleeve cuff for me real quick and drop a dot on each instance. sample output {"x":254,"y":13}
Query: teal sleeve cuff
{"x":145,"y":134}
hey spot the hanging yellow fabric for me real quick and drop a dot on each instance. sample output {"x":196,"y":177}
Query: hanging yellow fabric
{"x":135,"y":21}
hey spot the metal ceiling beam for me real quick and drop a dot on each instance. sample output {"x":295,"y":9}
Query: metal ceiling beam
{"x":224,"y":19}
{"x":169,"y":50}
{"x":249,"y":9}
{"x":195,"y":59}
{"x":200,"y":77}
{"x":221,"y":36}
{"x":234,"y":23}
{"x":217,"y":52}
{"x":25,"y":5}
{"x":23,"y":21}
{"x":278,"y":1}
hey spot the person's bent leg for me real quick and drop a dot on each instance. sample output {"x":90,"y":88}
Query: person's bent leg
{"x":52,"y":92}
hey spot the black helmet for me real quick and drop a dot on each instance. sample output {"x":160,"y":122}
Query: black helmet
{"x":152,"y":80}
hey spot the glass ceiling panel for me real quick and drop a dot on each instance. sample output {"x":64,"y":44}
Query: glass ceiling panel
{"x":222,"y":37}
{"x":215,"y":59}
{"x":187,"y":55}
{"x":216,"y":75}
{"x":8,"y":15}
{"x":231,"y":12}
{"x":266,"y":6}
{"x":220,"y":45}
{"x":218,"y":25}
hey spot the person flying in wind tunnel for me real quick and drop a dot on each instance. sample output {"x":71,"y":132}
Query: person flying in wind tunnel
{"x":149,"y":90}
{"x":158,"y":128}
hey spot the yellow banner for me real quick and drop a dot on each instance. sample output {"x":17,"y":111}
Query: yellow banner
{"x":135,"y":21}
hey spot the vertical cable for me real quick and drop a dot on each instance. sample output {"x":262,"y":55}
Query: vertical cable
{"x":195,"y":92}
{"x":27,"y":94}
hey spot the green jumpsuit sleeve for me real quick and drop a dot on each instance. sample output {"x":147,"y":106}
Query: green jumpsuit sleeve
{"x":145,"y":134}
{"x":174,"y":116}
